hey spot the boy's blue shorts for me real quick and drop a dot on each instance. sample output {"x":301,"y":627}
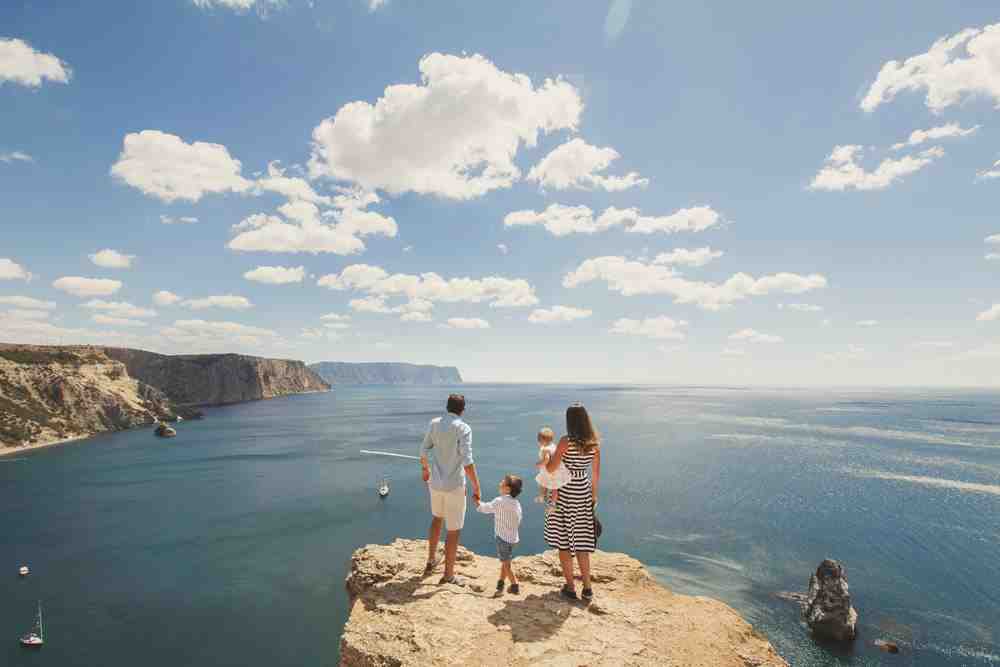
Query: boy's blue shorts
{"x":505,"y":550}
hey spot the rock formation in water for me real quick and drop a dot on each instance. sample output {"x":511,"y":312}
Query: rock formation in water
{"x":218,"y":379}
{"x":828,"y":610}
{"x":400,"y":617}
{"x":339,"y":372}
{"x":54,"y":393}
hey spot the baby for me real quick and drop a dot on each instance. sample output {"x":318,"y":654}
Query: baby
{"x":548,"y":483}
{"x":506,"y":511}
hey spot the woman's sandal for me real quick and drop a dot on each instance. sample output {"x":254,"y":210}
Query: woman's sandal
{"x":431,"y":564}
{"x":568,"y":592}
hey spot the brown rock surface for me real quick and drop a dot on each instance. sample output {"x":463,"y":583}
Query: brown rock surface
{"x":400,"y":617}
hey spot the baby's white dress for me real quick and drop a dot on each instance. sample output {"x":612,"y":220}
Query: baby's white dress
{"x":553,"y":480}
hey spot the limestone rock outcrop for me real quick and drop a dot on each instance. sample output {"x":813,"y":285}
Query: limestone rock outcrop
{"x":828,"y":610}
{"x":400,"y":617}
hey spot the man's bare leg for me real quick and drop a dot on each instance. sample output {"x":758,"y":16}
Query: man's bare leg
{"x":450,"y":551}
{"x":433,"y":537}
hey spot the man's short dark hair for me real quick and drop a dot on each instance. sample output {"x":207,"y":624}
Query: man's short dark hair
{"x":515,"y":484}
{"x":456,"y":404}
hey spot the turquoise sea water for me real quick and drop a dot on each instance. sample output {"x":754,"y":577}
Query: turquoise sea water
{"x":228,"y":545}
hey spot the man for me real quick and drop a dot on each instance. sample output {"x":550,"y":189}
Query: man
{"x":448,"y":446}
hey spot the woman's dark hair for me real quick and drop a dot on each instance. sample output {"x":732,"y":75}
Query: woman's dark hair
{"x":580,"y":430}
{"x":456,"y":404}
{"x":514,"y":483}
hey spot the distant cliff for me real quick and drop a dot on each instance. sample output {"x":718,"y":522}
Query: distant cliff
{"x":218,"y":379}
{"x":339,"y":372}
{"x":55,"y":393}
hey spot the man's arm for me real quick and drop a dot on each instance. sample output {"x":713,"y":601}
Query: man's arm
{"x":470,"y":472}
{"x":465,"y":452}
{"x":426,"y":446}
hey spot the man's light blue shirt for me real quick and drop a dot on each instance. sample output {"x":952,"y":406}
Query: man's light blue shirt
{"x":448,"y":448}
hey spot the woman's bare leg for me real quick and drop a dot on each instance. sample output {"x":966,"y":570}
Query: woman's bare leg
{"x":566,"y":563}
{"x":583,"y":558}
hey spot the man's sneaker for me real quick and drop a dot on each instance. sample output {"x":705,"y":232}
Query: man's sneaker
{"x":568,"y":592}
{"x":500,"y":586}
{"x":587,"y":594}
{"x":451,"y":580}
{"x":513,"y":589}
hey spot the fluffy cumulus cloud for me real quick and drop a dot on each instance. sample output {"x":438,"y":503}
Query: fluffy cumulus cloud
{"x":183,"y":220}
{"x":990,"y":314}
{"x":843,"y":172}
{"x":15,"y":156}
{"x":993,"y":241}
{"x":165,"y":298}
{"x":754,"y":336}
{"x":27,"y":302}
{"x":466,"y":323}
{"x":455,"y":134}
{"x":577,"y":165}
{"x":630,"y":278}
{"x":424,"y":290}
{"x":946,"y":131}
{"x":557,"y":314}
{"x":291,"y":187}
{"x":961,"y":66}
{"x":336,"y":320}
{"x":662,"y":328}
{"x":262,"y":7}
{"x":20,"y":63}
{"x":164,"y":166}
{"x":119,"y":309}
{"x":85,"y":287}
{"x":227,"y":301}
{"x":276,"y":275}
{"x":11,"y":270}
{"x":111,"y":259}
{"x":560,"y":220}
{"x":205,"y":332}
{"x":685,"y":257}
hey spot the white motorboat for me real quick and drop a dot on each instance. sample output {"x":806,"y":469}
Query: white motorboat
{"x":36,"y":637}
{"x":24,"y":571}
{"x":383,"y":488}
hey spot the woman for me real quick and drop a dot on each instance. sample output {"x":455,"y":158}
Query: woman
{"x":570,"y":528}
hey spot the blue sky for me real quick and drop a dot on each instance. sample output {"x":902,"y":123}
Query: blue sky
{"x":530,"y":191}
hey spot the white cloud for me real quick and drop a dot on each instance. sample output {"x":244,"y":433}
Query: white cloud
{"x":947,"y":74}
{"x":415,"y":317}
{"x":502,"y":247}
{"x":20,"y":63}
{"x":162,"y":165}
{"x":801,"y":307}
{"x":27,"y":302}
{"x":407,"y":248}
{"x":83,"y":287}
{"x":335,"y":317}
{"x":992,"y":256}
{"x":632,"y":278}
{"x":992,"y":172}
{"x":117,"y":321}
{"x":558,"y":314}
{"x":560,"y":220}
{"x":946,"y":131}
{"x":22,"y":314}
{"x":240,"y":6}
{"x":293,"y":188}
{"x":190,"y":332}
{"x":276,"y":275}
{"x":369,"y":304}
{"x":684,"y":257}
{"x":576,"y":164}
{"x":11,"y":270}
{"x":754,"y":336}
{"x":228,"y":301}
{"x":993,"y":239}
{"x":467,"y":323}
{"x":990,"y":314}
{"x":842,"y":171}
{"x":455,"y":134}
{"x":497,"y":291}
{"x":653,"y":327}
{"x":119,"y":308}
{"x":867,"y":323}
{"x":314,"y":333}
{"x":111,"y":259}
{"x":616,"y":19}
{"x":15,"y":156}
{"x":374,"y":5}
{"x":165,"y":298}
{"x":184,"y":220}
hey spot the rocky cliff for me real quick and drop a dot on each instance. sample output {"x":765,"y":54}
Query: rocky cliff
{"x":218,"y":379}
{"x":339,"y":372}
{"x":55,"y":393}
{"x":400,"y":617}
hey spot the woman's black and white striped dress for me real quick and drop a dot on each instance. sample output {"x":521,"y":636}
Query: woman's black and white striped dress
{"x":571,"y":526}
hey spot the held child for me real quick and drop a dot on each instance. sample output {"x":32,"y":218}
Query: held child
{"x":548,"y":483}
{"x":506,"y":511}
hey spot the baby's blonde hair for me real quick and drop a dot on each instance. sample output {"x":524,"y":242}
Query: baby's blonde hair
{"x":546,"y":434}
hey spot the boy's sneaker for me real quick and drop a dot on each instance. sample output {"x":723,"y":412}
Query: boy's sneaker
{"x":500,"y":586}
{"x":513,"y":589}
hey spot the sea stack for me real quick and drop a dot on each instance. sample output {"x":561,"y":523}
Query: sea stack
{"x":828,"y":609}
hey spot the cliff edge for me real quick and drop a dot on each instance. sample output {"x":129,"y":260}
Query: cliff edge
{"x":400,"y":617}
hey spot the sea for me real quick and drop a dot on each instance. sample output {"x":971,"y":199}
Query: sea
{"x":229,"y":544}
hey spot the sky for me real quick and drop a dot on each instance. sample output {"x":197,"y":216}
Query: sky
{"x":613,"y":192}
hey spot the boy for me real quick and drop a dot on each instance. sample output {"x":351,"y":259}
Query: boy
{"x":506,"y":511}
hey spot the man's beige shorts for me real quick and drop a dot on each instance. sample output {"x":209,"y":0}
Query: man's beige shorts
{"x":450,"y":506}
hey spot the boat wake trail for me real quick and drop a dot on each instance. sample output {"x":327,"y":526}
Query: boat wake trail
{"x":401,"y":456}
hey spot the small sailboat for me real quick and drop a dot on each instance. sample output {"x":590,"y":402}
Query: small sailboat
{"x":383,"y":488}
{"x":36,"y":637}
{"x":24,"y":571}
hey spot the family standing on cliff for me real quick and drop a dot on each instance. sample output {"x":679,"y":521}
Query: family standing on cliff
{"x":569,"y":476}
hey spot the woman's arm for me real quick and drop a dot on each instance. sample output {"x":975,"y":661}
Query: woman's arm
{"x":556,"y":458}
{"x":597,"y":473}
